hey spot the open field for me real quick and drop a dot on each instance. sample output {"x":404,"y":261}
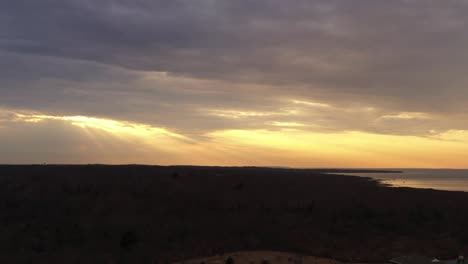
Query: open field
{"x":149,"y":214}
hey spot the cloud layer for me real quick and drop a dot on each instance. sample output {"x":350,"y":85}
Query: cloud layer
{"x":200,"y":67}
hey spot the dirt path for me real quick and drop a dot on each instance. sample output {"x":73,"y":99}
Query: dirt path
{"x":259,"y":257}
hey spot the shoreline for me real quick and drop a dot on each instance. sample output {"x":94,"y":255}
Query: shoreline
{"x":427,"y":179}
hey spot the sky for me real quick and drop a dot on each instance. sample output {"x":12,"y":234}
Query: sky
{"x":324,"y":83}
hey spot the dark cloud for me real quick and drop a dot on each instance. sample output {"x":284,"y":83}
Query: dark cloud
{"x":94,"y":58}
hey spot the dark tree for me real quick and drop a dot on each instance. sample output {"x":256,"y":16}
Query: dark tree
{"x":230,"y":260}
{"x":128,"y":240}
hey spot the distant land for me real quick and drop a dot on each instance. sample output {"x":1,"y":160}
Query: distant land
{"x":165,"y":214}
{"x":319,"y":170}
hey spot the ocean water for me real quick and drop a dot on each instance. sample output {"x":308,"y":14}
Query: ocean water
{"x":439,"y":179}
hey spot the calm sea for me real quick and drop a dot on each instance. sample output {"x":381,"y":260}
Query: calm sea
{"x":440,"y":179}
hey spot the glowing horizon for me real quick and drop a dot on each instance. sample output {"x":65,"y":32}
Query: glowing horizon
{"x":288,"y":146}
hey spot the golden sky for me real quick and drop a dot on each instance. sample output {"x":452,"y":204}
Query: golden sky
{"x":80,"y":139}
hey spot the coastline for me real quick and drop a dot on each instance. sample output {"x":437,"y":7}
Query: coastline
{"x":443,"y":180}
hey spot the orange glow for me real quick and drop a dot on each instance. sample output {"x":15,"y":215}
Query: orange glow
{"x":354,"y":149}
{"x":288,"y":145}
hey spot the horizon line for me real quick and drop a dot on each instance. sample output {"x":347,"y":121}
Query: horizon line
{"x":229,"y":166}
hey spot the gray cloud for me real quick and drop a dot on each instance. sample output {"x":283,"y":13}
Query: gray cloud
{"x":94,"y":58}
